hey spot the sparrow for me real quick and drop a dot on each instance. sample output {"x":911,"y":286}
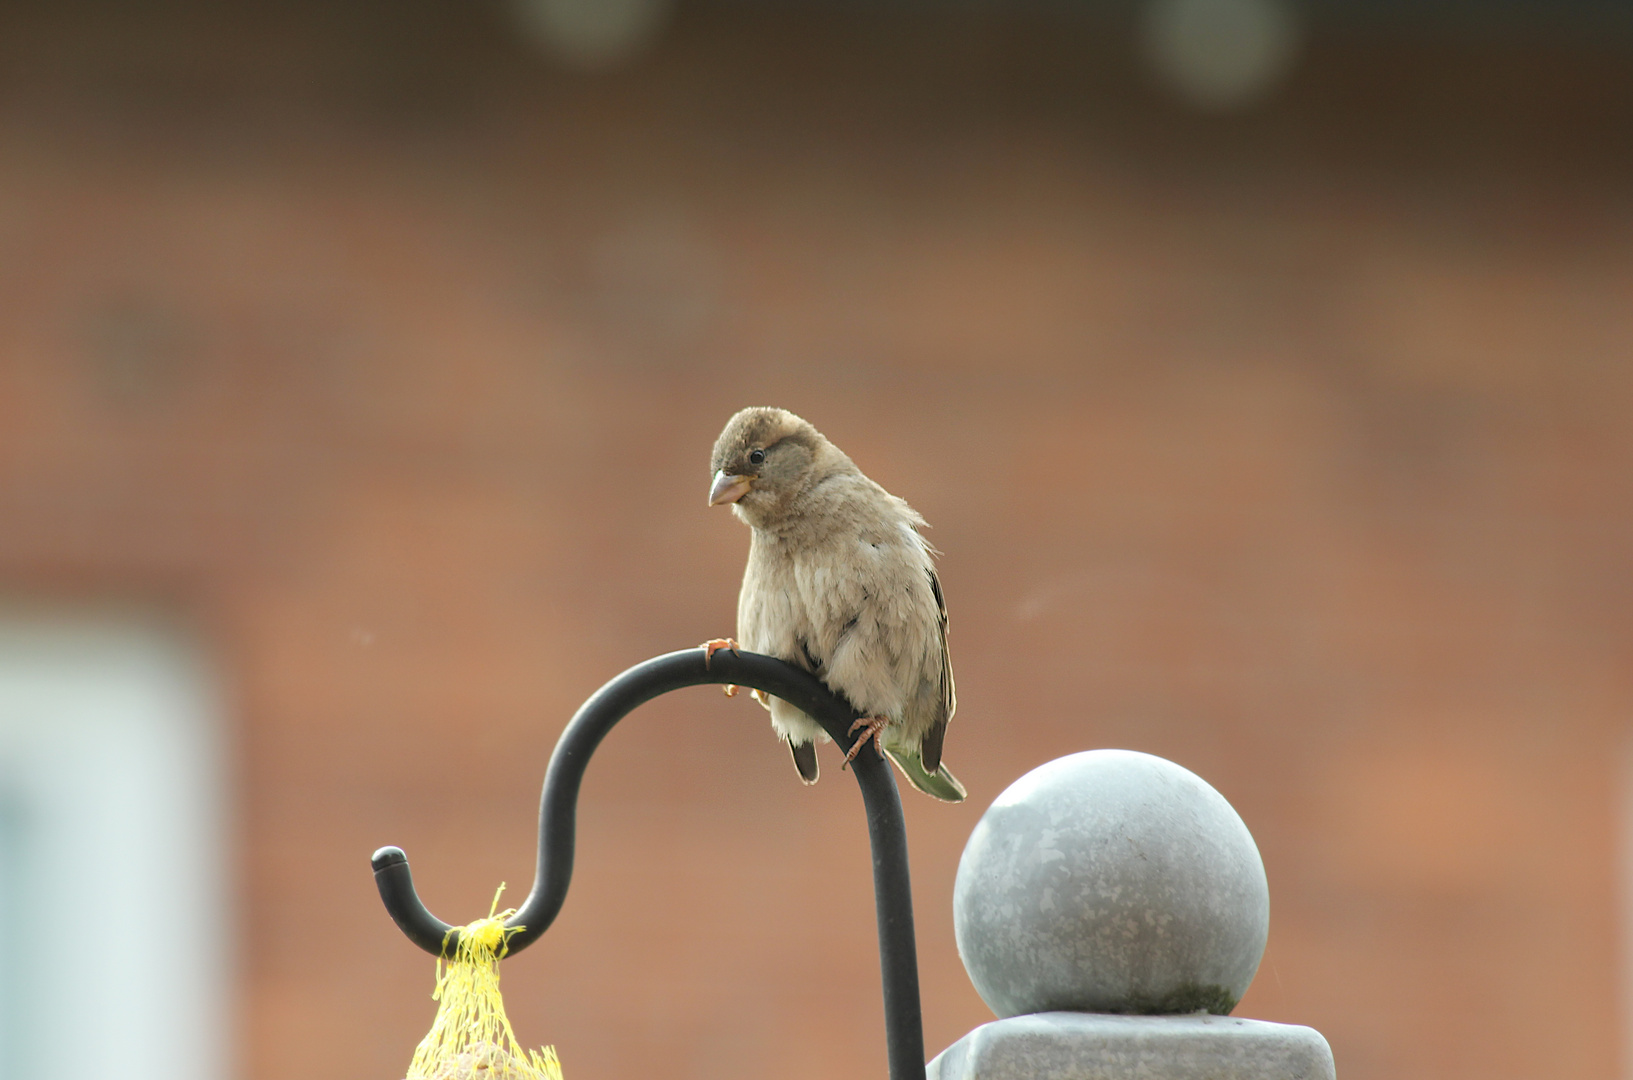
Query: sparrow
{"x":840,"y":583}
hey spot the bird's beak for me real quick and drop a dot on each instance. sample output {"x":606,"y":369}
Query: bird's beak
{"x":728,"y":489}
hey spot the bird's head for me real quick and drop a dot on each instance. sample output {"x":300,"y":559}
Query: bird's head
{"x":763,"y":461}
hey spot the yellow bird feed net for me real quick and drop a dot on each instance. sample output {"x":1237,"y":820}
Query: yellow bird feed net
{"x":471,"y":1037}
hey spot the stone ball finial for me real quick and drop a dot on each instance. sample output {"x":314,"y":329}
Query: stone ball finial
{"x":1111,"y":881}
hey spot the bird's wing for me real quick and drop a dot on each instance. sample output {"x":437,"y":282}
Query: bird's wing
{"x":947,"y":700}
{"x":941,"y":784}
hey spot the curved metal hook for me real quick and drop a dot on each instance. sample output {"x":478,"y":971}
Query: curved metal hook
{"x":558,"y":809}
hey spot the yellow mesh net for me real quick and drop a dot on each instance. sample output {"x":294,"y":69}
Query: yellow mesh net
{"x":471,"y":1038}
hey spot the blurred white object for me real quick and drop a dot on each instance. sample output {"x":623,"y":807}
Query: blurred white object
{"x":594,"y":33}
{"x":1220,"y":54}
{"x":114,"y":933}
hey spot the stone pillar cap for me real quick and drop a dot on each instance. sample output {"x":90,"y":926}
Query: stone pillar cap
{"x":1111,"y":881}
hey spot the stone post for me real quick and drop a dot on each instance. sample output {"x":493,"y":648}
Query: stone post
{"x":1112,"y":909}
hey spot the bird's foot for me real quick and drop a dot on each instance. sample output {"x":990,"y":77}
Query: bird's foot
{"x":714,"y":645}
{"x":872,"y":726}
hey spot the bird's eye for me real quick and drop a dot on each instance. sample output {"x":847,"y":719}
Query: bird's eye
{"x":756,"y":457}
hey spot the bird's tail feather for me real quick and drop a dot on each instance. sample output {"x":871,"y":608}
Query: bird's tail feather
{"x":805,"y":760}
{"x":941,"y":784}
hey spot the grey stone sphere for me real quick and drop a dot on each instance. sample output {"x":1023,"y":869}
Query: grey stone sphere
{"x":1112,"y":882}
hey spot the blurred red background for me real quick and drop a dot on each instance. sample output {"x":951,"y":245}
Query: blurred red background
{"x":1291,"y":443}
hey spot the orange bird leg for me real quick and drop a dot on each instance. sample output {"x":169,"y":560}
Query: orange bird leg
{"x":714,"y":645}
{"x":873,"y":726}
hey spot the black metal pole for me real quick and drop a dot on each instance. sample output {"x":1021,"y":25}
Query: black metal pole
{"x":558,"y":809}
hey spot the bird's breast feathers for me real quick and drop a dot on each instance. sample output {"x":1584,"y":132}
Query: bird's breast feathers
{"x":855,"y":607}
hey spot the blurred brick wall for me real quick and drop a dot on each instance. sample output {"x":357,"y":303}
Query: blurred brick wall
{"x":1294,"y":447}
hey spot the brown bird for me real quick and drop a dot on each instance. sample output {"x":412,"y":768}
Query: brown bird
{"x":839,"y":582}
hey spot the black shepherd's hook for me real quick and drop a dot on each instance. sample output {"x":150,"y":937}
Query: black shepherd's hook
{"x":558,"y":807}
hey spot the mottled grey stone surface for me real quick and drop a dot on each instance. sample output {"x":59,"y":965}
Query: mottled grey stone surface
{"x":1111,"y":882}
{"x":1088,"y":1046}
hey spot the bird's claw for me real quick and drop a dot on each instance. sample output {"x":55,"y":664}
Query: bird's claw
{"x":714,"y":645}
{"x":872,"y":726}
